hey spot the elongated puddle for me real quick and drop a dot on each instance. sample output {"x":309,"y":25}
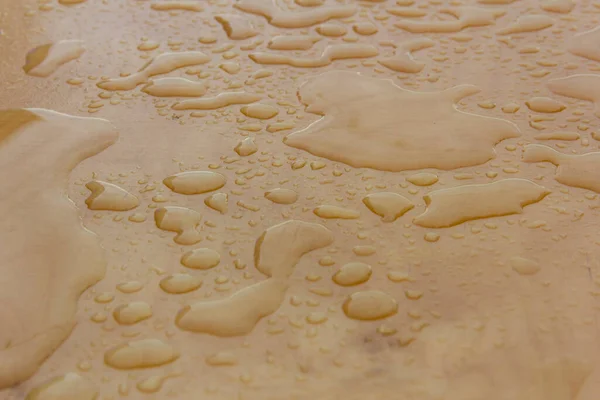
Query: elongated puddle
{"x":66,"y":258}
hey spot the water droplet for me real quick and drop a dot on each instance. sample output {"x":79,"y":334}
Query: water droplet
{"x":398,"y":276}
{"x":259,"y":111}
{"x":174,"y":87}
{"x":181,"y":220}
{"x":326,"y":261}
{"x":280,"y":126}
{"x":524,"y":266}
{"x":246,"y":147}
{"x":144,"y":353}
{"x":202,"y":258}
{"x":154,"y":383}
{"x":365,"y":28}
{"x":364,"y":251}
{"x":282,"y":196}
{"x":510,"y":108}
{"x":413,"y":294}
{"x":236,"y":27}
{"x":331,"y":30}
{"x":218,"y":202}
{"x":544,"y":105}
{"x":431,"y":237}
{"x":130,"y":287}
{"x":106,"y":196}
{"x":98,"y":318}
{"x":180,"y":283}
{"x":148,"y":45}
{"x":423,"y":179}
{"x":558,"y":6}
{"x":137,"y":217}
{"x":195,"y":182}
{"x":329,"y":212}
{"x":316,"y":318}
{"x":406,"y":12}
{"x":132,"y":313}
{"x":105,"y":297}
{"x":353,"y":273}
{"x":221,"y":359}
{"x":230,"y":67}
{"x":389,"y":206}
{"x":370,"y":305}
{"x":281,"y":246}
